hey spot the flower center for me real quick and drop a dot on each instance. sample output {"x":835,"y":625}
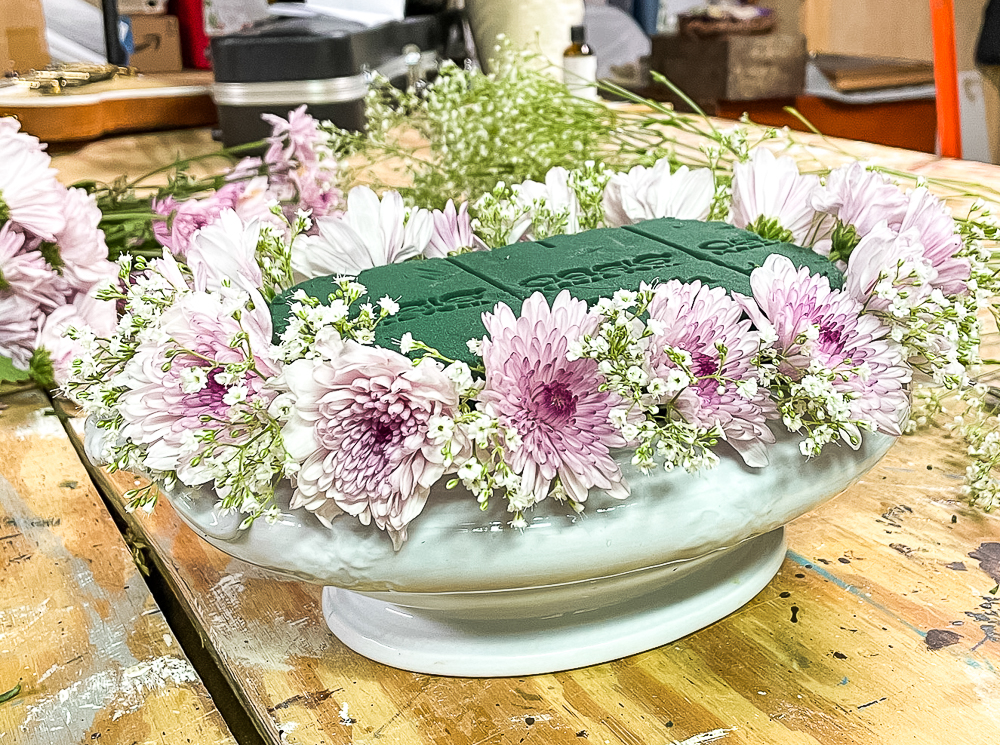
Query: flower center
{"x":4,"y":210}
{"x":209,"y":399}
{"x":383,"y":433}
{"x":554,"y":403}
{"x":830,"y":339}
{"x":770,"y":229}
{"x":703,"y":365}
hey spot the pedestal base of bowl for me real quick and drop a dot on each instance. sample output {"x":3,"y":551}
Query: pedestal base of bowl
{"x":449,"y":638}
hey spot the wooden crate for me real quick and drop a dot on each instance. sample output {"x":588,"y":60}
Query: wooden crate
{"x":733,"y":68}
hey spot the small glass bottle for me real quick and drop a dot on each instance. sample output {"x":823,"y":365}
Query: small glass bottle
{"x":580,"y":65}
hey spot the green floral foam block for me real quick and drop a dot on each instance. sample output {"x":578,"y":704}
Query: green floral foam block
{"x":442,"y":300}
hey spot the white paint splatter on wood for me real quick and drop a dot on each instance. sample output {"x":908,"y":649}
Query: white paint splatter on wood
{"x":124,"y":690}
{"x":40,"y":424}
{"x":712,"y":736}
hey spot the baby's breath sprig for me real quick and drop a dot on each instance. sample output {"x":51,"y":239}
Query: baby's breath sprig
{"x":312,"y":324}
{"x":648,"y":417}
{"x":588,"y":183}
{"x":274,"y":251}
{"x":511,"y":124}
{"x":809,"y":402}
{"x":498,"y":218}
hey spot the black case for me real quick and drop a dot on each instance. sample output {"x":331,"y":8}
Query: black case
{"x":277,"y":64}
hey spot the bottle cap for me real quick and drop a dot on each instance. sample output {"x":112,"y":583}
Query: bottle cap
{"x":577,"y":34}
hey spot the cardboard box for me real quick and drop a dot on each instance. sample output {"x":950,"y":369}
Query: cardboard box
{"x":22,"y":36}
{"x":157,"y":42}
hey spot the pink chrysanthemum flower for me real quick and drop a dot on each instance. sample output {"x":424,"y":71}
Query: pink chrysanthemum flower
{"x":860,"y":198}
{"x":647,"y":193}
{"x":19,"y":321}
{"x":697,"y":319}
{"x":772,"y":198}
{"x":171,"y":398}
{"x":186,"y":218}
{"x":25,"y":272}
{"x":817,"y":326}
{"x":884,"y":262}
{"x":360,"y":426}
{"x":555,"y":405}
{"x":10,"y":129}
{"x":452,"y":232}
{"x":936,"y":227}
{"x":315,"y":190}
{"x":293,"y":139}
{"x":82,"y":249}
{"x":30,"y":195}
{"x":89,"y":316}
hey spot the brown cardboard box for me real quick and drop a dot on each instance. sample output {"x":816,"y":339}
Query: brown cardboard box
{"x":22,"y":36}
{"x":157,"y":43}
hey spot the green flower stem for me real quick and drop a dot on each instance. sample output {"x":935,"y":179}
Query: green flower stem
{"x":179,"y":164}
{"x":128,"y":216}
{"x":12,"y":693}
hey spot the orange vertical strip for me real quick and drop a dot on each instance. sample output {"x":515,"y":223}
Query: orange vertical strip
{"x":949,"y":122}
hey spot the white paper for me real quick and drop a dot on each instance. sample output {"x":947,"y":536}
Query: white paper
{"x":367,"y":12}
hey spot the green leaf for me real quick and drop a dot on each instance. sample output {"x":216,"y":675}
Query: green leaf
{"x":4,"y":697}
{"x":10,"y":374}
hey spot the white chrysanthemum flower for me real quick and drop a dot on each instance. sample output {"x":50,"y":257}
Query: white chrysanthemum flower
{"x":224,"y":251}
{"x":772,"y":198}
{"x":372,"y":232}
{"x":648,"y":193}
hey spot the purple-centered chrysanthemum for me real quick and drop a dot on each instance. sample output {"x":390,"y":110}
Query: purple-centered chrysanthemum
{"x":696,"y":319}
{"x":166,"y":404}
{"x":360,"y":428}
{"x":554,"y":404}
{"x":817,"y":325}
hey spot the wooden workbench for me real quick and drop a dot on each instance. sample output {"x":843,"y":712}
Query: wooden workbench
{"x":879,"y":628}
{"x":95,"y":658}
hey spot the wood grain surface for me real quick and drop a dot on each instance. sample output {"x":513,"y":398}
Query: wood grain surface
{"x":879,"y":628}
{"x":79,"y":630}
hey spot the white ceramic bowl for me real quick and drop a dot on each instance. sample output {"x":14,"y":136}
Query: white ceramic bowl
{"x":468,"y":595}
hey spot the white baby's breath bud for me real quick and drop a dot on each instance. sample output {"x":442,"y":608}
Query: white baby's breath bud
{"x":406,"y":343}
{"x":389,"y":305}
{"x":193,"y":379}
{"x":236,"y":394}
{"x":747,"y":388}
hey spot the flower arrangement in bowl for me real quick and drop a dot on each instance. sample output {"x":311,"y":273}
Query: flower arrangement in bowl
{"x":528,"y":480}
